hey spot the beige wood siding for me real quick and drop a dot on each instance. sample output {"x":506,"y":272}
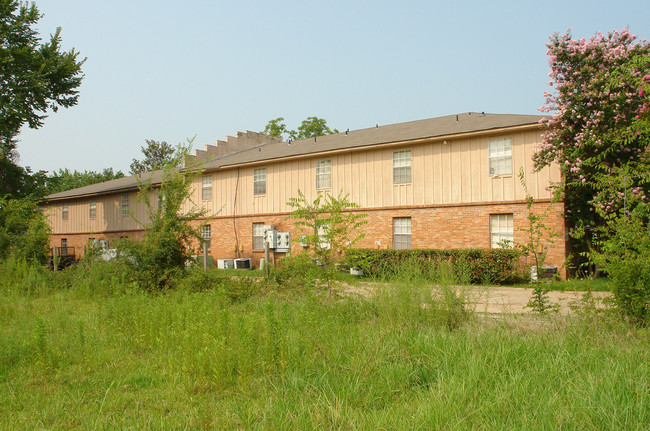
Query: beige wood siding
{"x":108,"y":214}
{"x":442,"y":173}
{"x":452,"y":172}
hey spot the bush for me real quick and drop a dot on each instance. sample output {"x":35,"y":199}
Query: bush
{"x":469,"y":265}
{"x":625,"y":256}
{"x":298,"y":272}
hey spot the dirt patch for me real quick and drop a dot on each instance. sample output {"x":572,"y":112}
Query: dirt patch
{"x":500,"y":300}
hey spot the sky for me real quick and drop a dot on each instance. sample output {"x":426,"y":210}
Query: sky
{"x":173,"y":70}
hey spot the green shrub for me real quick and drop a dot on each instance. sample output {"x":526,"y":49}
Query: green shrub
{"x":297,"y":272}
{"x":625,"y":256}
{"x":469,"y":265}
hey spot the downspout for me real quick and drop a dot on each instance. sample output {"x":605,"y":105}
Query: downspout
{"x":234,"y":213}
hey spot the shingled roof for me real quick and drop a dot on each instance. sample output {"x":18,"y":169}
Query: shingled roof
{"x":439,"y":127}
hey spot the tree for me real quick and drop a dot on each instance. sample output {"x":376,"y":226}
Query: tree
{"x":328,"y":226}
{"x":157,"y":155}
{"x":65,"y":179}
{"x":309,"y":128}
{"x":163,"y":253}
{"x":24,"y":233}
{"x":597,"y":124}
{"x":34,"y":77}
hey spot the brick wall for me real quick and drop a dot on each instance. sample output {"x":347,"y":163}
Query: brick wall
{"x":443,"y":227}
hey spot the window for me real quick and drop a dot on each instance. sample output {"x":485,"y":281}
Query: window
{"x":64,"y":212}
{"x":92,"y":209}
{"x":125,"y":204}
{"x":500,"y":152}
{"x":323,"y":174}
{"x":258,"y":236}
{"x":206,"y":234}
{"x":323,"y":241}
{"x":259,"y":181}
{"x":206,"y":188}
{"x":500,"y":230}
{"x":402,"y":166}
{"x":161,"y":201}
{"x":401,"y":233}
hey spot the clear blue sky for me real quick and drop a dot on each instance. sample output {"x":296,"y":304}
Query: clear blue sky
{"x":168,"y":70}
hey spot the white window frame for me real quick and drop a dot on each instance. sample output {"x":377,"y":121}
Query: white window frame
{"x":323,"y":240}
{"x":500,"y":156}
{"x":92,"y":209}
{"x":258,"y":236}
{"x":124,"y":204}
{"x":323,"y":175}
{"x":402,"y":167}
{"x":259,"y":181}
{"x":501,"y":229}
{"x":206,"y":234}
{"x":401,"y":233}
{"x":65,"y":212}
{"x":206,"y":187}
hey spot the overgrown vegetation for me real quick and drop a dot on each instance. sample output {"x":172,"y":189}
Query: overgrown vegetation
{"x":471,"y":266}
{"x":161,"y":256}
{"x":87,"y":348}
{"x":24,"y":233}
{"x":328,"y":227}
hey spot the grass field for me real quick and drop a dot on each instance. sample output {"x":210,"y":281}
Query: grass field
{"x":84,"y":349}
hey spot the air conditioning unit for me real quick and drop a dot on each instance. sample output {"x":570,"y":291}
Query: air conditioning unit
{"x":225,"y":263}
{"x":103,"y":244}
{"x":243,"y":263}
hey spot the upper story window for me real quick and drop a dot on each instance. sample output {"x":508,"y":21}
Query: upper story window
{"x":323,"y":174}
{"x":501,"y":230}
{"x":401,"y":233}
{"x":124,"y":204}
{"x":259,"y":181}
{"x":500,"y":153}
{"x":402,"y":166}
{"x":64,"y":212}
{"x":206,"y":188}
{"x":92,"y":209}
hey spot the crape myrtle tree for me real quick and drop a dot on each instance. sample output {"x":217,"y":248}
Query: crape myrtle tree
{"x":34,"y":77}
{"x":596,"y":126}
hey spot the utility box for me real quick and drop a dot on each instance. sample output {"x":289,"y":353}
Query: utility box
{"x":283,"y":242}
{"x":271,"y":238}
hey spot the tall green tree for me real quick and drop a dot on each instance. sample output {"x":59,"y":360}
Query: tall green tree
{"x":309,"y":128}
{"x":157,"y":155}
{"x":64,"y":179}
{"x":34,"y":77}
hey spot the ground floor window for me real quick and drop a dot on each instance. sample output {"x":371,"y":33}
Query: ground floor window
{"x":258,"y":236}
{"x":206,"y":234}
{"x":501,"y":230}
{"x":401,"y":233}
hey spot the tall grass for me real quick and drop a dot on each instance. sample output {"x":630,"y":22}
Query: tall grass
{"x":107,"y":355}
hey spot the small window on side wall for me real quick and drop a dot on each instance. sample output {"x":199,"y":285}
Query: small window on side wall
{"x":500,"y":154}
{"x":64,"y":212}
{"x":323,"y":174}
{"x":92,"y":209}
{"x":206,"y":188}
{"x":259,"y":181}
{"x":402,"y":166}
{"x":501,"y":230}
{"x":401,"y":233}
{"x":124,"y":205}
